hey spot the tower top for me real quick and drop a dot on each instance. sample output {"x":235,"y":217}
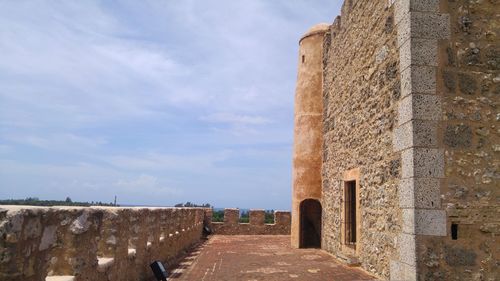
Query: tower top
{"x":319,"y":28}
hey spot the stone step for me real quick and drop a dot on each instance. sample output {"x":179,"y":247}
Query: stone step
{"x":60,"y":278}
{"x":104,"y":263}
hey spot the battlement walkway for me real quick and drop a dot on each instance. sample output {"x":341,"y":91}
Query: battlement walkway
{"x":260,"y":257}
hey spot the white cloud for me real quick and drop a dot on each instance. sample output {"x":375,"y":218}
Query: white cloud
{"x":195,"y":163}
{"x":144,"y":183}
{"x":167,"y":94}
{"x":57,"y":62}
{"x":63,"y":141}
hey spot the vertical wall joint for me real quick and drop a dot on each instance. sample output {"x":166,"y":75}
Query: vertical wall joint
{"x":419,"y":27}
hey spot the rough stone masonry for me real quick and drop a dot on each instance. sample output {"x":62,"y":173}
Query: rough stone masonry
{"x":109,"y":243}
{"x":409,"y":95}
{"x":93,"y":243}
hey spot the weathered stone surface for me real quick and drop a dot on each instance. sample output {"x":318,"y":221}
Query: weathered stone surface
{"x":48,"y":237}
{"x":62,"y":243}
{"x":458,"y":256}
{"x":445,"y":133}
{"x":417,"y":51}
{"x":490,"y":228}
{"x":418,"y":80}
{"x":470,"y":160}
{"x":450,"y":81}
{"x":422,"y":162}
{"x":492,"y":57}
{"x":423,"y":25}
{"x":33,"y":228}
{"x":407,"y":249}
{"x":81,"y":224}
{"x":281,"y":225}
{"x":420,"y":193}
{"x":415,"y":133}
{"x":424,"y":222}
{"x":419,"y":107}
{"x":401,"y":271}
{"x":361,"y":92}
{"x":467,"y":84}
{"x":441,"y":126}
{"x":458,"y":136}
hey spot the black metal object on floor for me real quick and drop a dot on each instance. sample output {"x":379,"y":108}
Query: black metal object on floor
{"x":159,"y":271}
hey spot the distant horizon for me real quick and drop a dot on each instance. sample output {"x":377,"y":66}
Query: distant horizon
{"x":143,"y":205}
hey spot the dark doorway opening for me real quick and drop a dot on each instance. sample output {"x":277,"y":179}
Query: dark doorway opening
{"x":310,"y":224}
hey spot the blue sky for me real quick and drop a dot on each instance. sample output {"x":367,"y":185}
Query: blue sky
{"x":157,"y":102}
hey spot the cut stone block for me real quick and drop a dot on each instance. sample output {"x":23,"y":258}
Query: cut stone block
{"x":257,"y":217}
{"x":422,"y":163}
{"x":60,"y":278}
{"x":424,"y":222}
{"x":418,"y":52}
{"x":402,"y":272}
{"x":419,"y":107}
{"x":231,"y":216}
{"x":422,"y":25}
{"x":407,"y":249}
{"x":420,"y":193}
{"x":104,"y":263}
{"x":418,"y":80}
{"x":416,"y":133}
{"x":131,"y":252}
{"x":403,"y":7}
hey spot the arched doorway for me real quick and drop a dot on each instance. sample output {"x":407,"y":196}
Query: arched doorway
{"x":310,"y":224}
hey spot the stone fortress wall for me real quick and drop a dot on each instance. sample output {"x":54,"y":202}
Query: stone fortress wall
{"x":468,"y":86}
{"x":410,"y":95}
{"x":256,"y":225}
{"x":108,"y":243}
{"x":361,"y":93}
{"x":95,"y":243}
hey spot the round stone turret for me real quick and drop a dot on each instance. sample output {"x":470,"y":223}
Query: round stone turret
{"x":307,"y":150}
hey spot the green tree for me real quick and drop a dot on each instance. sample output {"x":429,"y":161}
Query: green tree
{"x":269,"y":217}
{"x":218,"y":216}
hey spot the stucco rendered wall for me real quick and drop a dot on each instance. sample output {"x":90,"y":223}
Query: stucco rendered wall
{"x":306,"y":173}
{"x":361,"y":93}
{"x":101,"y":244}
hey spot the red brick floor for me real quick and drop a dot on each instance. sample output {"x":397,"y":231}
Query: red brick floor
{"x":262,"y":257}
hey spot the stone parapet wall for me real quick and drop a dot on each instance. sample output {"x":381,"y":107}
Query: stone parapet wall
{"x":94,"y":243}
{"x":256,"y":226}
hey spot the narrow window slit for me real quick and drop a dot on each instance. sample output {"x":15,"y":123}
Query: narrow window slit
{"x":350,"y":213}
{"x":454,"y":231}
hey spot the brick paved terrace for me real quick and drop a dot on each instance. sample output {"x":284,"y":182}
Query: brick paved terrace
{"x":262,"y":257}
